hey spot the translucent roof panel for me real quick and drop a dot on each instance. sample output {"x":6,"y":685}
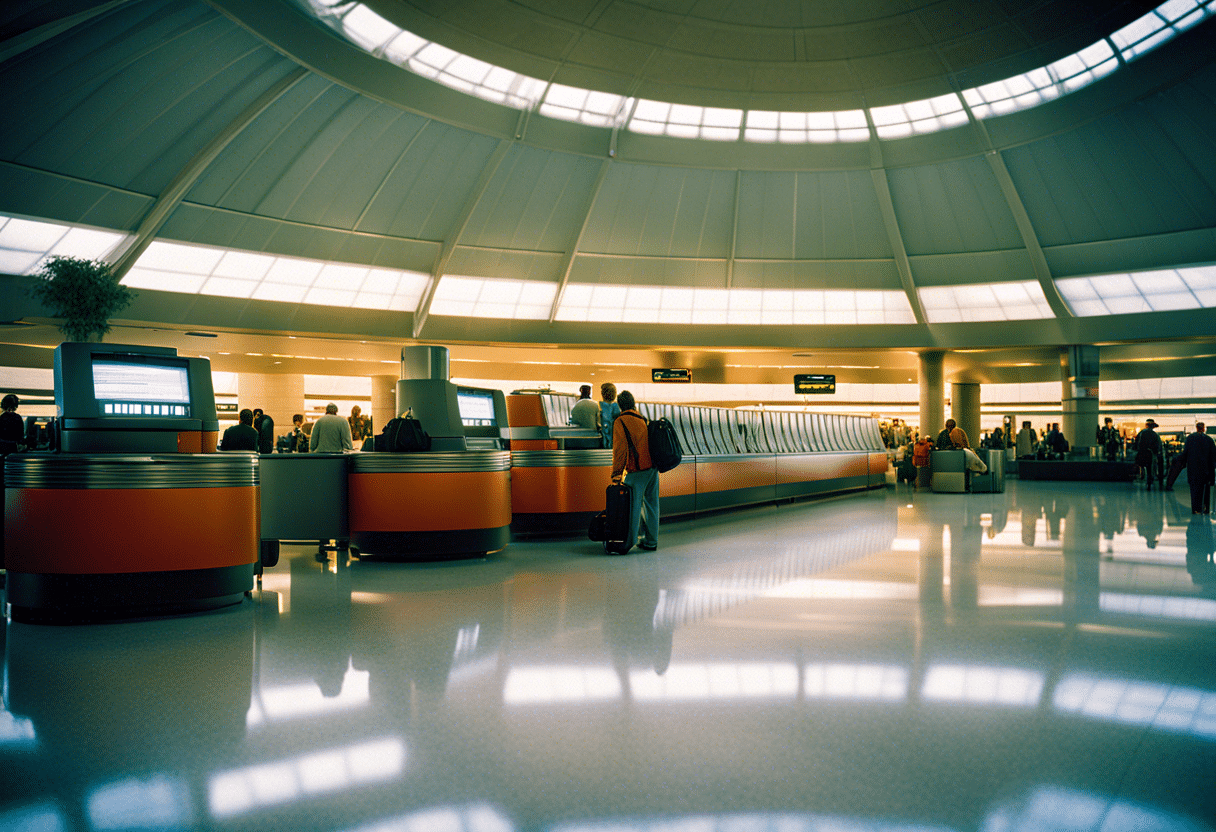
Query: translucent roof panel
{"x":1153,"y":291}
{"x":485,"y":297}
{"x":207,"y":270}
{"x":926,"y":116}
{"x":1017,"y":301}
{"x":798,"y":128}
{"x":599,"y":109}
{"x":685,"y":122}
{"x":1155,"y":28}
{"x":25,"y":243}
{"x":687,"y":305}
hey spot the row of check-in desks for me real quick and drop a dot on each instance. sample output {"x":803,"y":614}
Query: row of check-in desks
{"x":731,"y":458}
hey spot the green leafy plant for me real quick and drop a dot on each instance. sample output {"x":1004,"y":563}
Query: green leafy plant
{"x":84,"y":293}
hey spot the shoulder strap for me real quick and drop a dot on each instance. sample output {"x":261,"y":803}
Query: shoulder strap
{"x":637,"y":460}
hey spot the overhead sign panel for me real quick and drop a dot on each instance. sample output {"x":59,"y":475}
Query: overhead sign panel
{"x":677,"y":375}
{"x":813,"y":383}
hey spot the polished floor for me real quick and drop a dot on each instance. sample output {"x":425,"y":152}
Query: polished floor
{"x":1041,"y":659}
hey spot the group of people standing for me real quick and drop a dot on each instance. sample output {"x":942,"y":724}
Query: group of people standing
{"x":331,"y":433}
{"x":597,"y":416}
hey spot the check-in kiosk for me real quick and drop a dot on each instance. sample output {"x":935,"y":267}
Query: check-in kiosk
{"x":134,"y":515}
{"x":451,"y":501}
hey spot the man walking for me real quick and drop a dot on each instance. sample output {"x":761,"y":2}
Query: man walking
{"x":631,"y":461}
{"x":1199,"y":454}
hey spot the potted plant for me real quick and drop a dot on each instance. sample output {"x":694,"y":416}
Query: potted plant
{"x":84,"y":293}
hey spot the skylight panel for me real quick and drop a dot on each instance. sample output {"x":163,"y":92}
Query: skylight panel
{"x":765,"y":307}
{"x":88,"y":243}
{"x":1160,"y":290}
{"x":685,"y":121}
{"x":1158,"y":26}
{"x":368,"y":29}
{"x":916,"y":117}
{"x":481,"y":297}
{"x":403,"y":47}
{"x":800,"y":128}
{"x":985,"y":302}
{"x":597,"y":109}
{"x":163,"y":281}
{"x":31,"y":235}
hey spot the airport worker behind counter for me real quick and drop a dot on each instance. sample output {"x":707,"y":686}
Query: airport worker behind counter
{"x":360,"y":425}
{"x":12,"y":429}
{"x":1199,"y":456}
{"x":631,"y":462}
{"x":1149,"y":455}
{"x":609,"y":410}
{"x":586,"y":413}
{"x":242,"y":436}
{"x":299,"y":439}
{"x":264,"y":425}
{"x":330,"y":433}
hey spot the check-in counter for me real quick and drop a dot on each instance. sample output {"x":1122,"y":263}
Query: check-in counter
{"x":428,"y":505}
{"x":558,"y":490}
{"x":731,"y":458}
{"x":949,"y":471}
{"x":317,"y":513}
{"x":101,"y":536}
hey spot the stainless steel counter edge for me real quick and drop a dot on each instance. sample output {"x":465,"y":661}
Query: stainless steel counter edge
{"x":128,"y":471}
{"x":430,"y":462}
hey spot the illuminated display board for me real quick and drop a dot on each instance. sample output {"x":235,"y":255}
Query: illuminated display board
{"x":811,"y":383}
{"x":676,"y":375}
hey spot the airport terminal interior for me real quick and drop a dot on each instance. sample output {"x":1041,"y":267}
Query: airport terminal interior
{"x":974,"y":209}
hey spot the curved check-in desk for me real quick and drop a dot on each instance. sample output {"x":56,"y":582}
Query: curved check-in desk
{"x":731,"y":458}
{"x":100,"y":536}
{"x":429,"y":504}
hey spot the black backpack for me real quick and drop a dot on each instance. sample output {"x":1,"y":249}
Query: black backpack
{"x":665,"y":450}
{"x":403,"y":435}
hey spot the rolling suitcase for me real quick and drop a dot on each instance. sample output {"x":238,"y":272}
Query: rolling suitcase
{"x":616,"y":520}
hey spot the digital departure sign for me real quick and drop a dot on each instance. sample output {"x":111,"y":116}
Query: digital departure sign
{"x":813,"y":383}
{"x":669,"y":375}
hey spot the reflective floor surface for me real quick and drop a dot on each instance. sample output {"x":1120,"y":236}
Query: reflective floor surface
{"x":1042,"y":659}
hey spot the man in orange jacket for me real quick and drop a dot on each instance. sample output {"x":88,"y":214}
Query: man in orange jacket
{"x":631,"y":462}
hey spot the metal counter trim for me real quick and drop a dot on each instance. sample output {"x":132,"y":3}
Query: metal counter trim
{"x":430,"y":463}
{"x":573,"y":458}
{"x":124,"y":472}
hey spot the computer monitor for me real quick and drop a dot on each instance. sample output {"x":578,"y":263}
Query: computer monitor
{"x":476,"y":407}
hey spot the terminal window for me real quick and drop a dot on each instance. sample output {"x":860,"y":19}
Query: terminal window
{"x":476,"y":408}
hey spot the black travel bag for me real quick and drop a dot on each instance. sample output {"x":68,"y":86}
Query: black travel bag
{"x":615,"y":524}
{"x":665,"y":450}
{"x":403,"y":435}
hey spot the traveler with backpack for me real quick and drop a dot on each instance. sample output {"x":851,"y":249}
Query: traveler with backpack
{"x":631,"y":463}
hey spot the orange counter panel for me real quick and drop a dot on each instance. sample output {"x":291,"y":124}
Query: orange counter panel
{"x":429,"y":502}
{"x":793,"y":469}
{"x":879,"y":463}
{"x":525,"y":411}
{"x":558,"y":490}
{"x":679,"y":481}
{"x":104,"y":531}
{"x":727,"y":476}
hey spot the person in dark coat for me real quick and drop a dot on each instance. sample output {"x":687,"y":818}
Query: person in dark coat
{"x":1149,"y":455}
{"x":241,"y":436}
{"x":264,"y":425}
{"x":1199,"y":454}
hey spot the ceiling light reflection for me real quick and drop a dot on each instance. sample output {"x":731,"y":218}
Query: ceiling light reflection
{"x":478,"y":818}
{"x":15,"y":730}
{"x":983,"y":685}
{"x":1058,"y":808}
{"x":856,"y":681}
{"x":1159,"y":606}
{"x":254,"y":787}
{"x":1152,"y":704}
{"x":41,"y":817}
{"x":160,"y":802}
{"x":717,"y":680}
{"x":747,"y":822}
{"x":275,"y":704}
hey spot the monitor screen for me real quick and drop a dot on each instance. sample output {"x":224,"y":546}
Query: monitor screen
{"x":140,"y":388}
{"x":476,"y":408}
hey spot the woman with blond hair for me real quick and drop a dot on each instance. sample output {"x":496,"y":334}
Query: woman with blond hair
{"x":609,"y":410}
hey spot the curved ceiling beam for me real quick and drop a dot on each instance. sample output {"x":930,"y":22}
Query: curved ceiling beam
{"x":449,"y":243}
{"x":883,"y":190}
{"x":1037,"y":259}
{"x":28,"y":40}
{"x":568,"y":260}
{"x":172,"y":196}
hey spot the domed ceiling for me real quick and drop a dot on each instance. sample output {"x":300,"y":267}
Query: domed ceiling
{"x":771,"y":175}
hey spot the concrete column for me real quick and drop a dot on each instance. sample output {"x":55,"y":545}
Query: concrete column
{"x":1079,"y":395}
{"x":932,"y":394}
{"x":965,"y":409}
{"x":280,"y":395}
{"x":384,"y":400}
